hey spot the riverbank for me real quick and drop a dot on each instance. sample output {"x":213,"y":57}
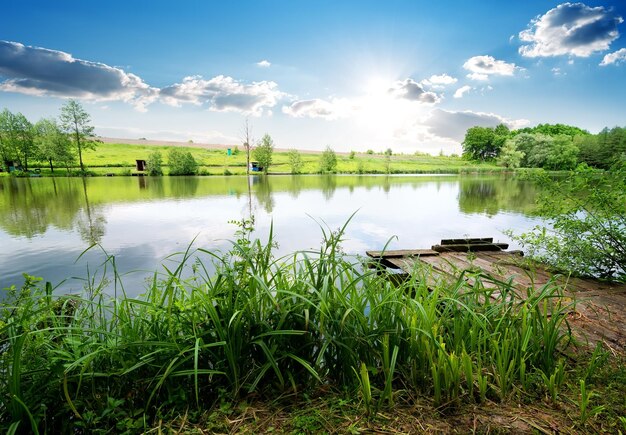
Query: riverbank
{"x":120,"y":159}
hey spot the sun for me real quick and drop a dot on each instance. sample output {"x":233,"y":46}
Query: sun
{"x":381,"y":112}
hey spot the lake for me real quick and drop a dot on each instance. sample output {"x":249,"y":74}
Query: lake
{"x":46,"y":223}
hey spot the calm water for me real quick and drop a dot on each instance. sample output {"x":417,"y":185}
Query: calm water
{"x":46,"y":223}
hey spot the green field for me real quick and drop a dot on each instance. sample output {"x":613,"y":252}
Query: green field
{"x":119,"y":159}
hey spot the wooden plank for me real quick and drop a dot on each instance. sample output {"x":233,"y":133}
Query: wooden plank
{"x":466,"y":241}
{"x":401,"y":253}
{"x":427,"y":273}
{"x":471,"y":248}
{"x":539,"y":273}
{"x":502,"y":272}
{"x":443,"y":264}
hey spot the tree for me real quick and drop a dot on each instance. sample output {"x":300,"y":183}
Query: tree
{"x":247,"y":140}
{"x":586,"y":228}
{"x":295,"y":161}
{"x":510,"y":156}
{"x":182,"y":163}
{"x":25,"y":143}
{"x":52,"y":145}
{"x":263,"y":152}
{"x":328,"y":160}
{"x":77,"y":122}
{"x":7,"y":137}
{"x":153,"y":163}
{"x":484,"y":143}
{"x":554,"y":153}
{"x":563,"y":155}
{"x":553,"y":130}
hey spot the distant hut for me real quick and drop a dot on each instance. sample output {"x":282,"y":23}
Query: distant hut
{"x":141,"y":165}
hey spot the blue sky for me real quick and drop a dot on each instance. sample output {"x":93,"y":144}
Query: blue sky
{"x":410,"y":75}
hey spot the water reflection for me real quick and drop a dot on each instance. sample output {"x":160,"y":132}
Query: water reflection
{"x":45,"y":223}
{"x":28,"y":207}
{"x":493,"y":196}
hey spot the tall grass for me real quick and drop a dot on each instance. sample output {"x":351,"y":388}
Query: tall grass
{"x":268,"y":326}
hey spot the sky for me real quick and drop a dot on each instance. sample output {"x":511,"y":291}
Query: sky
{"x":352,"y":75}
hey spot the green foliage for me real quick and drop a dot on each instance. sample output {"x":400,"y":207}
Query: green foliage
{"x":153,"y":163}
{"x":388,"y":152}
{"x":295,"y":161}
{"x":370,"y":152}
{"x":16,"y":139}
{"x":553,"y":130}
{"x":510,"y":157}
{"x":484,"y":143}
{"x":76,"y":122}
{"x":328,"y":160}
{"x":352,"y":155}
{"x":263,"y":152}
{"x":586,"y":234}
{"x":181,"y":163}
{"x":53,"y":145}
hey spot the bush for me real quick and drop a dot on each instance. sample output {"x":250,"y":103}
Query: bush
{"x":263,"y":152}
{"x":182,"y":163}
{"x":153,"y":164}
{"x":295,"y":161}
{"x":328,"y":160}
{"x":586,"y":214}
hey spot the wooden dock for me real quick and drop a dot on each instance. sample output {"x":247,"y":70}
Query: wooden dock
{"x":600,"y":310}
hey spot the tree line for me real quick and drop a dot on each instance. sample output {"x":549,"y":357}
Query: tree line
{"x":59,"y":142}
{"x":548,"y":146}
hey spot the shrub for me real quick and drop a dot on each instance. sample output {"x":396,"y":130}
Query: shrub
{"x":263,"y":152}
{"x":328,"y":160}
{"x":153,"y":164}
{"x":182,"y":163}
{"x":295,"y":161}
{"x":586,"y":231}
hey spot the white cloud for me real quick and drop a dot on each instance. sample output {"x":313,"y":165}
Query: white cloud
{"x":481,"y":67}
{"x":439,"y":81}
{"x":317,"y":108}
{"x":478,"y":77}
{"x":264,"y":63}
{"x":43,"y":72}
{"x":558,"y":72}
{"x":223,"y":94}
{"x":573,"y":29}
{"x":616,"y":57}
{"x":411,"y":90}
{"x":461,"y":91}
{"x":453,"y":125}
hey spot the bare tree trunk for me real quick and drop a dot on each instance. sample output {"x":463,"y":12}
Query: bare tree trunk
{"x":247,"y":140}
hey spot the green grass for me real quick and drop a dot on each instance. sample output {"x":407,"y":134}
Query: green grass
{"x":268,"y":327}
{"x":118,"y":159}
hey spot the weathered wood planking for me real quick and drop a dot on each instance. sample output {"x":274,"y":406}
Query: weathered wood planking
{"x":600,"y":312}
{"x":470,"y":247}
{"x":401,"y":253}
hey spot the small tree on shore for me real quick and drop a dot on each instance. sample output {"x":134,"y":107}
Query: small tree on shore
{"x":153,"y":164}
{"x":263,"y":152}
{"x":77,"y":122}
{"x":182,"y":163}
{"x":52,"y":144}
{"x":510,"y":157}
{"x":295,"y":161}
{"x":328,"y":160}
